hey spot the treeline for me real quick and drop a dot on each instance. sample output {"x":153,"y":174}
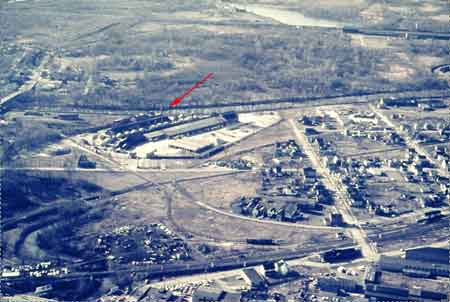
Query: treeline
{"x":125,"y":63}
{"x":24,"y":136}
{"x":24,"y":191}
{"x":56,"y":237}
{"x":269,"y":63}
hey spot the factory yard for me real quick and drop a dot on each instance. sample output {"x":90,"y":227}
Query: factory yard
{"x":159,"y":142}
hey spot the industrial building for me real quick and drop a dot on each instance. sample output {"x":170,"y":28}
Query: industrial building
{"x":275,"y":269}
{"x":429,"y":254}
{"x":413,"y":267}
{"x":404,"y":102}
{"x":192,"y":145}
{"x":372,"y":275}
{"x":129,"y":133}
{"x":199,"y":126}
{"x":137,"y":121}
{"x":85,"y":163}
{"x":332,"y":284}
{"x":376,"y":292}
{"x":334,"y":219}
{"x":253,"y":279}
{"x":204,"y":294}
{"x":338,"y":255}
{"x":132,"y":141}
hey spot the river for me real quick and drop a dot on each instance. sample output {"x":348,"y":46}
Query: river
{"x":288,"y":17}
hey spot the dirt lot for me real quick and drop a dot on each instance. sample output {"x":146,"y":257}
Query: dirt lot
{"x":226,"y":228}
{"x":268,"y":136}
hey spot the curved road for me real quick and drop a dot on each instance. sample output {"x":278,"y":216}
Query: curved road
{"x":268,"y":222}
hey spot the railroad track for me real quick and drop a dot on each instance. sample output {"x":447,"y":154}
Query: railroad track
{"x":402,"y":33}
{"x":257,"y":105}
{"x":410,"y":231}
{"x":186,"y":268}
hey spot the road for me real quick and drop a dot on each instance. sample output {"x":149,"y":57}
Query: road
{"x":267,"y":222}
{"x":27,"y":86}
{"x":343,"y":200}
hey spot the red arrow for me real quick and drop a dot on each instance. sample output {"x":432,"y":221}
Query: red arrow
{"x":189,"y":91}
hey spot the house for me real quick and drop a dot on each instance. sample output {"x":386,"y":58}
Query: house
{"x":291,"y":212}
{"x":309,"y":172}
{"x":274,"y":212}
{"x":358,"y":200}
{"x":324,"y":197}
{"x":431,"y":201}
{"x":386,"y":210}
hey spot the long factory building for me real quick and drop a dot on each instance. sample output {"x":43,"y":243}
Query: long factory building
{"x":208,"y":124}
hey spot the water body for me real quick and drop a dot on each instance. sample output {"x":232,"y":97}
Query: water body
{"x":289,"y":17}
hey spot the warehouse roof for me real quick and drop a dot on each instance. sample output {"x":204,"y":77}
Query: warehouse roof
{"x":204,"y":294}
{"x":429,"y":254}
{"x":192,"y":144}
{"x":187,"y":127}
{"x":197,"y":125}
{"x":397,"y":263}
{"x":253,"y":278}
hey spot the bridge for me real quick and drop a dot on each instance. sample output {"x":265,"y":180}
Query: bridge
{"x":4,"y":102}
